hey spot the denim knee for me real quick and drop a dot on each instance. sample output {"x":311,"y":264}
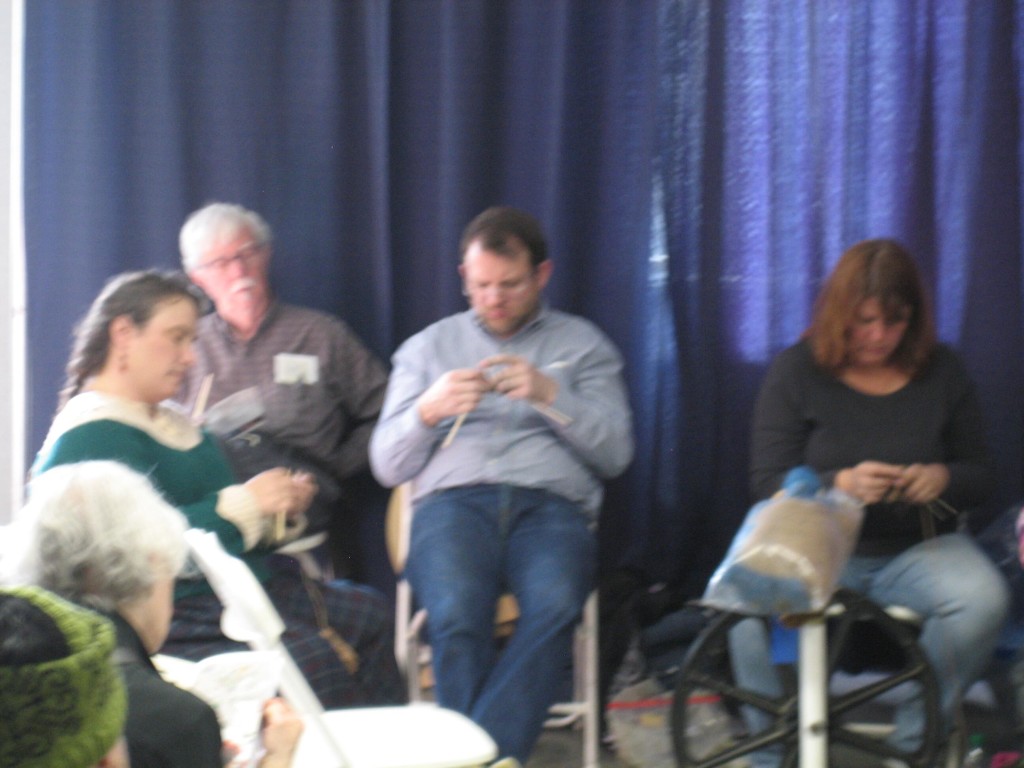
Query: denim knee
{"x":558,"y":605}
{"x":986,"y":605}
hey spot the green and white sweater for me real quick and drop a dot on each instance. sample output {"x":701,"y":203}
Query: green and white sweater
{"x":183,"y":463}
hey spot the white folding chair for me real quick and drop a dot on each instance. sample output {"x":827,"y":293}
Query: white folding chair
{"x":414,"y":656}
{"x":416,"y":736}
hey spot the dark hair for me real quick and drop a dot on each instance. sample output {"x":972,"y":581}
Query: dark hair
{"x":504,"y":230}
{"x":873,"y":269}
{"x":132,"y":294}
{"x":28,"y":635}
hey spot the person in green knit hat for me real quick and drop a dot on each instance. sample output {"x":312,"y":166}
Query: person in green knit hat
{"x":62,"y":702}
{"x":131,"y":351}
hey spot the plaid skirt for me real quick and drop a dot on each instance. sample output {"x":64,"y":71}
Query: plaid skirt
{"x":358,"y":614}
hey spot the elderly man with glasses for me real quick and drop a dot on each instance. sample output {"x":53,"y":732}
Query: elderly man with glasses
{"x":312,"y":387}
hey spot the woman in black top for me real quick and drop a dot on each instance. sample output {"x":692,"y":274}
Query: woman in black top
{"x":880,"y":410}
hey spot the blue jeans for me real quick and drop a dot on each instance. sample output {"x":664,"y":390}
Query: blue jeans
{"x":949,"y":582}
{"x":467,"y":547}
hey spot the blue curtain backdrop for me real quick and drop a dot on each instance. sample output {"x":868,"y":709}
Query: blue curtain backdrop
{"x":699,"y":165}
{"x":790,"y":130}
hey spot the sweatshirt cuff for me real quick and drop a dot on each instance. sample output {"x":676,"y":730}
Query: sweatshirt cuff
{"x":238,"y":506}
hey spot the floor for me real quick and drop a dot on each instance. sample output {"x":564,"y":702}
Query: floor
{"x":988,"y":711}
{"x":562,"y":748}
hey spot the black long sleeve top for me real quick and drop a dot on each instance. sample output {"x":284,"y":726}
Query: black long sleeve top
{"x":805,"y":415}
{"x":166,"y":726}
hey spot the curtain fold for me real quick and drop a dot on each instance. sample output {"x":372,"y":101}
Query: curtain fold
{"x":698,"y":166}
{"x":367,"y":133}
{"x":793,"y":130}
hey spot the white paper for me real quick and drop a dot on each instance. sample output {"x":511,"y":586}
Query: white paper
{"x":236,"y":685}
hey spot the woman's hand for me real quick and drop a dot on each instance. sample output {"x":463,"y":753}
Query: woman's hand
{"x":869,"y":481}
{"x":304,"y":489}
{"x":874,"y":481}
{"x":281,"y":491}
{"x":921,"y":483}
{"x":281,"y":731}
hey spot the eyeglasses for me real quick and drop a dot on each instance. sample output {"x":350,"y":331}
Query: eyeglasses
{"x":247,"y":254}
{"x":507,"y":289}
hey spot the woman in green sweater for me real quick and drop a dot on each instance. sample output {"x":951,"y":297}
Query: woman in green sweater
{"x":131,"y":352}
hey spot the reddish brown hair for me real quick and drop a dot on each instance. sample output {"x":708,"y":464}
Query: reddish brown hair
{"x":873,"y":269}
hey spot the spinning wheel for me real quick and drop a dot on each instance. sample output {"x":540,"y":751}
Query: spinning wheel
{"x":870,"y":661}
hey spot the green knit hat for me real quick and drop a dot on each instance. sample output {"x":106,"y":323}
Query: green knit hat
{"x":65,"y":713}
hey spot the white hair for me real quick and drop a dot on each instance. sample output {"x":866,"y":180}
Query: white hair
{"x":213,"y":222}
{"x":97,"y":533}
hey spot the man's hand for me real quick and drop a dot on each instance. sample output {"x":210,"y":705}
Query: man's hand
{"x":516,"y":378}
{"x":454,"y":393}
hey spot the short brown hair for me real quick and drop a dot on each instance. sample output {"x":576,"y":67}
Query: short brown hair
{"x":502,"y":230}
{"x":878,"y":269}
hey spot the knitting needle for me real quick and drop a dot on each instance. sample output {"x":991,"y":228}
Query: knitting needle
{"x":280,"y":515}
{"x":201,"y":398}
{"x":454,"y":430}
{"x":948,"y":509}
{"x":552,"y":413}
